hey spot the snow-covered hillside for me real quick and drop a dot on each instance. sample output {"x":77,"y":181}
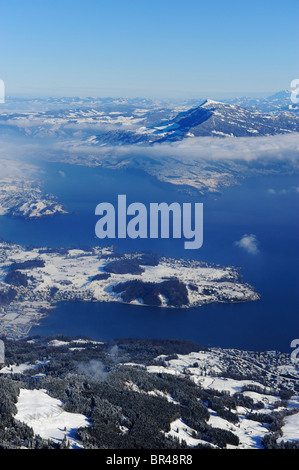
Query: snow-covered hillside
{"x":45,"y":415}
{"x":121,"y":394}
{"x":24,"y":198}
{"x":208,"y":369}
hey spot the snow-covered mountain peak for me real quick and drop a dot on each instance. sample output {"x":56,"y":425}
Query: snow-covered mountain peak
{"x":209,"y":102}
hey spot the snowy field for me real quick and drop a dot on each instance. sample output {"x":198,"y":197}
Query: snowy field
{"x":45,"y":415}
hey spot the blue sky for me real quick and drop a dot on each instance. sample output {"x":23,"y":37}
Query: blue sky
{"x":156,"y":48}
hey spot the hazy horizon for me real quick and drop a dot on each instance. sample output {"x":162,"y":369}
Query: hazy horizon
{"x":102,"y":94}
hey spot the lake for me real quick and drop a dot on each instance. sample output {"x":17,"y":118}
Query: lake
{"x":265,"y":206}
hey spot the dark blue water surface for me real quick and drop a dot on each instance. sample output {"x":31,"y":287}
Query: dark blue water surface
{"x":249,"y":208}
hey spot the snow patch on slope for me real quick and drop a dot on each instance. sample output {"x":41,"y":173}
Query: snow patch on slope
{"x":45,"y":415}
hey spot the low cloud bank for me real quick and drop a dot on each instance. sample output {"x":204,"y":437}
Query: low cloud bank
{"x":278,"y":147}
{"x":263,"y":150}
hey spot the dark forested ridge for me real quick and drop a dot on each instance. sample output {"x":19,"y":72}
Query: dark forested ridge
{"x":150,"y":293}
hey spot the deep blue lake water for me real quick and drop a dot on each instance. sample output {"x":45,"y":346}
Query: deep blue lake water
{"x":250,"y":208}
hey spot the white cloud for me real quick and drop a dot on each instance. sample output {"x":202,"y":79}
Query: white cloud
{"x":292,"y":190}
{"x":248,"y":243}
{"x":265,"y":149}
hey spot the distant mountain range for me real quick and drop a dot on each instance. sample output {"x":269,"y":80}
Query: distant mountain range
{"x":277,"y":103}
{"x":103,"y":121}
{"x":210,"y":118}
{"x":214,"y":118}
